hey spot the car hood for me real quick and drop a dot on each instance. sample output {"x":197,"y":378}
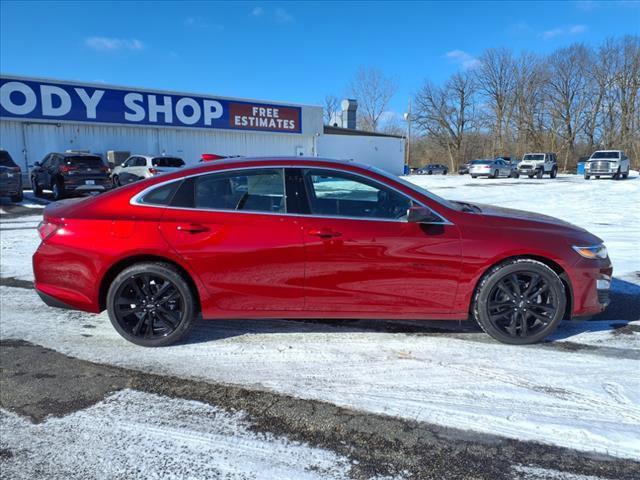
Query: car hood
{"x":501,"y":213}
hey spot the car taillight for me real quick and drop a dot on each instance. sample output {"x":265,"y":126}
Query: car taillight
{"x":153,"y":171}
{"x":67,"y":168}
{"x":46,"y":228}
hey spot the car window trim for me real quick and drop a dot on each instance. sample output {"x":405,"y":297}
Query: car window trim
{"x":135,"y":200}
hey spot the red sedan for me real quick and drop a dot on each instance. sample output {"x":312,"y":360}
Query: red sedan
{"x":310,"y":238}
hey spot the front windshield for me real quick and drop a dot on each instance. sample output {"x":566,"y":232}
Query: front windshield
{"x":537,"y":156}
{"x":605,"y":155}
{"x":483,"y":162}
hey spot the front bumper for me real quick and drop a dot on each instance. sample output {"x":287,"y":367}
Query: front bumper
{"x":591,"y":283}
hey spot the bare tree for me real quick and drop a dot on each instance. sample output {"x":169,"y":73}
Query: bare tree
{"x":495,"y":77}
{"x":374,"y":91}
{"x":331,"y":108}
{"x":447,"y":113}
{"x":567,"y":93}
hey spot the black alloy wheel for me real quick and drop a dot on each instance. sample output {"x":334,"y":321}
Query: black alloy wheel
{"x":151,"y":304}
{"x":520,"y":302}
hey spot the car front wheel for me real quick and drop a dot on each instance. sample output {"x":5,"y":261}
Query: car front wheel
{"x":520,"y":302}
{"x":37,"y":189}
{"x":151,"y":304}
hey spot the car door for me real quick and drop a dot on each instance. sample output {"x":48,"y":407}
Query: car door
{"x":364,"y":257}
{"x":49,"y":170}
{"x":38,"y":170}
{"x":233,"y":230}
{"x":127,"y":172}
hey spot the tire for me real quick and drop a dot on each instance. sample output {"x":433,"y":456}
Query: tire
{"x":532,"y":318}
{"x":515,"y":175}
{"x":474,"y":176}
{"x":116,"y":181}
{"x":58,"y":189}
{"x":444,"y":172}
{"x":37,"y":189}
{"x":18,"y":197}
{"x":625,"y":175}
{"x":429,"y":172}
{"x":598,"y":177}
{"x":587,"y":177}
{"x":554,"y":173}
{"x":540,"y":173}
{"x":154,"y":324}
{"x":530,"y":176}
{"x":617,"y":175}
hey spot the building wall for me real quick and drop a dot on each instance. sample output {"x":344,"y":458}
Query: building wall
{"x":29,"y":142}
{"x":386,"y":153}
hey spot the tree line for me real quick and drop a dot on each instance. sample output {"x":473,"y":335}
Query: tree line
{"x":572,"y":101}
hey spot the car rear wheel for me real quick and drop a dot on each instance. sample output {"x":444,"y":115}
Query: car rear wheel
{"x":151,"y":304}
{"x":520,"y":302}
{"x":18,"y":197}
{"x":445,"y":171}
{"x":554,"y":173}
{"x":58,"y":189}
{"x":474,"y":176}
{"x":587,"y":177}
{"x":539,"y":173}
{"x":37,"y":189}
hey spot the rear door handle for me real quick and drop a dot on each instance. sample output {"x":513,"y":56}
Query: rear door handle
{"x":324,"y":233}
{"x":192,"y":228}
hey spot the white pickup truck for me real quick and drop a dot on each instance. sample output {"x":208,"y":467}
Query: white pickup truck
{"x":537,"y":164}
{"x":607,"y":163}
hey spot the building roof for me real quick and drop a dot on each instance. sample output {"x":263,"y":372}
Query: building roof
{"x":329,"y":130}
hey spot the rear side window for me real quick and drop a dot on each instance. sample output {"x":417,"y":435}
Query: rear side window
{"x":161,"y":195}
{"x":84,"y":161}
{"x":167,"y":162}
{"x":5,"y":159}
{"x":260,"y":190}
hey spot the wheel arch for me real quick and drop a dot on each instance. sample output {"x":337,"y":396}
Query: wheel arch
{"x":123,"y":263}
{"x":556,"y":267}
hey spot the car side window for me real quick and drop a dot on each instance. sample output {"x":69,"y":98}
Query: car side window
{"x":340,"y":194}
{"x":259,"y":190}
{"x":139,"y":162}
{"x":161,"y":195}
{"x":128,"y":162}
{"x":46,"y":162}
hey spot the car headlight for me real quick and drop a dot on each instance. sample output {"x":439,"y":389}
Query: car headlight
{"x":593,"y":252}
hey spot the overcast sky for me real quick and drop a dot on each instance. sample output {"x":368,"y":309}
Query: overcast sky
{"x":286,"y":51}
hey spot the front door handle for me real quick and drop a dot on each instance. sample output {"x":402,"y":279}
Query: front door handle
{"x":192,"y":228}
{"x":324,"y":233}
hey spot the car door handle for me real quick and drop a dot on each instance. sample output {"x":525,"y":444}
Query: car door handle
{"x":323,"y":233}
{"x":192,"y":228}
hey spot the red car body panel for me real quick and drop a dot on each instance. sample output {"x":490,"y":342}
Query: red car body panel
{"x":246,"y":264}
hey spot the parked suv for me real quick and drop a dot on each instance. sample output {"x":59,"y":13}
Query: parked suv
{"x":70,"y":172}
{"x":433,"y":168}
{"x":537,"y":164}
{"x":138,"y":167}
{"x":10,"y":178}
{"x":608,"y":163}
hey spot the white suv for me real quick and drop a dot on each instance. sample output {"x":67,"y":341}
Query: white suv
{"x":138,"y":167}
{"x":538,"y":164}
{"x":607,"y":163}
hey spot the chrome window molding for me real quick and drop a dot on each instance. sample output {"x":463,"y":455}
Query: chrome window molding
{"x":136,"y":199}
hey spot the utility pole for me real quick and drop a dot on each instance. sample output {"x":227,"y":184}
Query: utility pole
{"x":407,"y":117}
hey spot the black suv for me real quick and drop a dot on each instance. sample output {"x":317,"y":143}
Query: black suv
{"x":70,"y":172}
{"x":10,"y":178}
{"x":432,"y":168}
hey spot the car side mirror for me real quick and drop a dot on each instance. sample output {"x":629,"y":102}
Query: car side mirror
{"x":37,"y":164}
{"x":123,"y":165}
{"x":422,"y":215}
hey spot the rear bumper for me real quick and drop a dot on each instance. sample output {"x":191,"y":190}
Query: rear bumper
{"x":52,"y":302}
{"x":10,"y":187}
{"x":80,"y":185}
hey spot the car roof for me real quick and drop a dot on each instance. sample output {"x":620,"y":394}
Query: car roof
{"x":617,"y":151}
{"x":75,"y":154}
{"x":149,"y":157}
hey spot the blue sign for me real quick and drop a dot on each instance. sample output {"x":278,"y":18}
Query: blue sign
{"x":41,"y":100}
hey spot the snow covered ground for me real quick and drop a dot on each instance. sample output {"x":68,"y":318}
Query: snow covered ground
{"x":577,"y":399}
{"x":174,"y":439}
{"x":582,"y":398}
